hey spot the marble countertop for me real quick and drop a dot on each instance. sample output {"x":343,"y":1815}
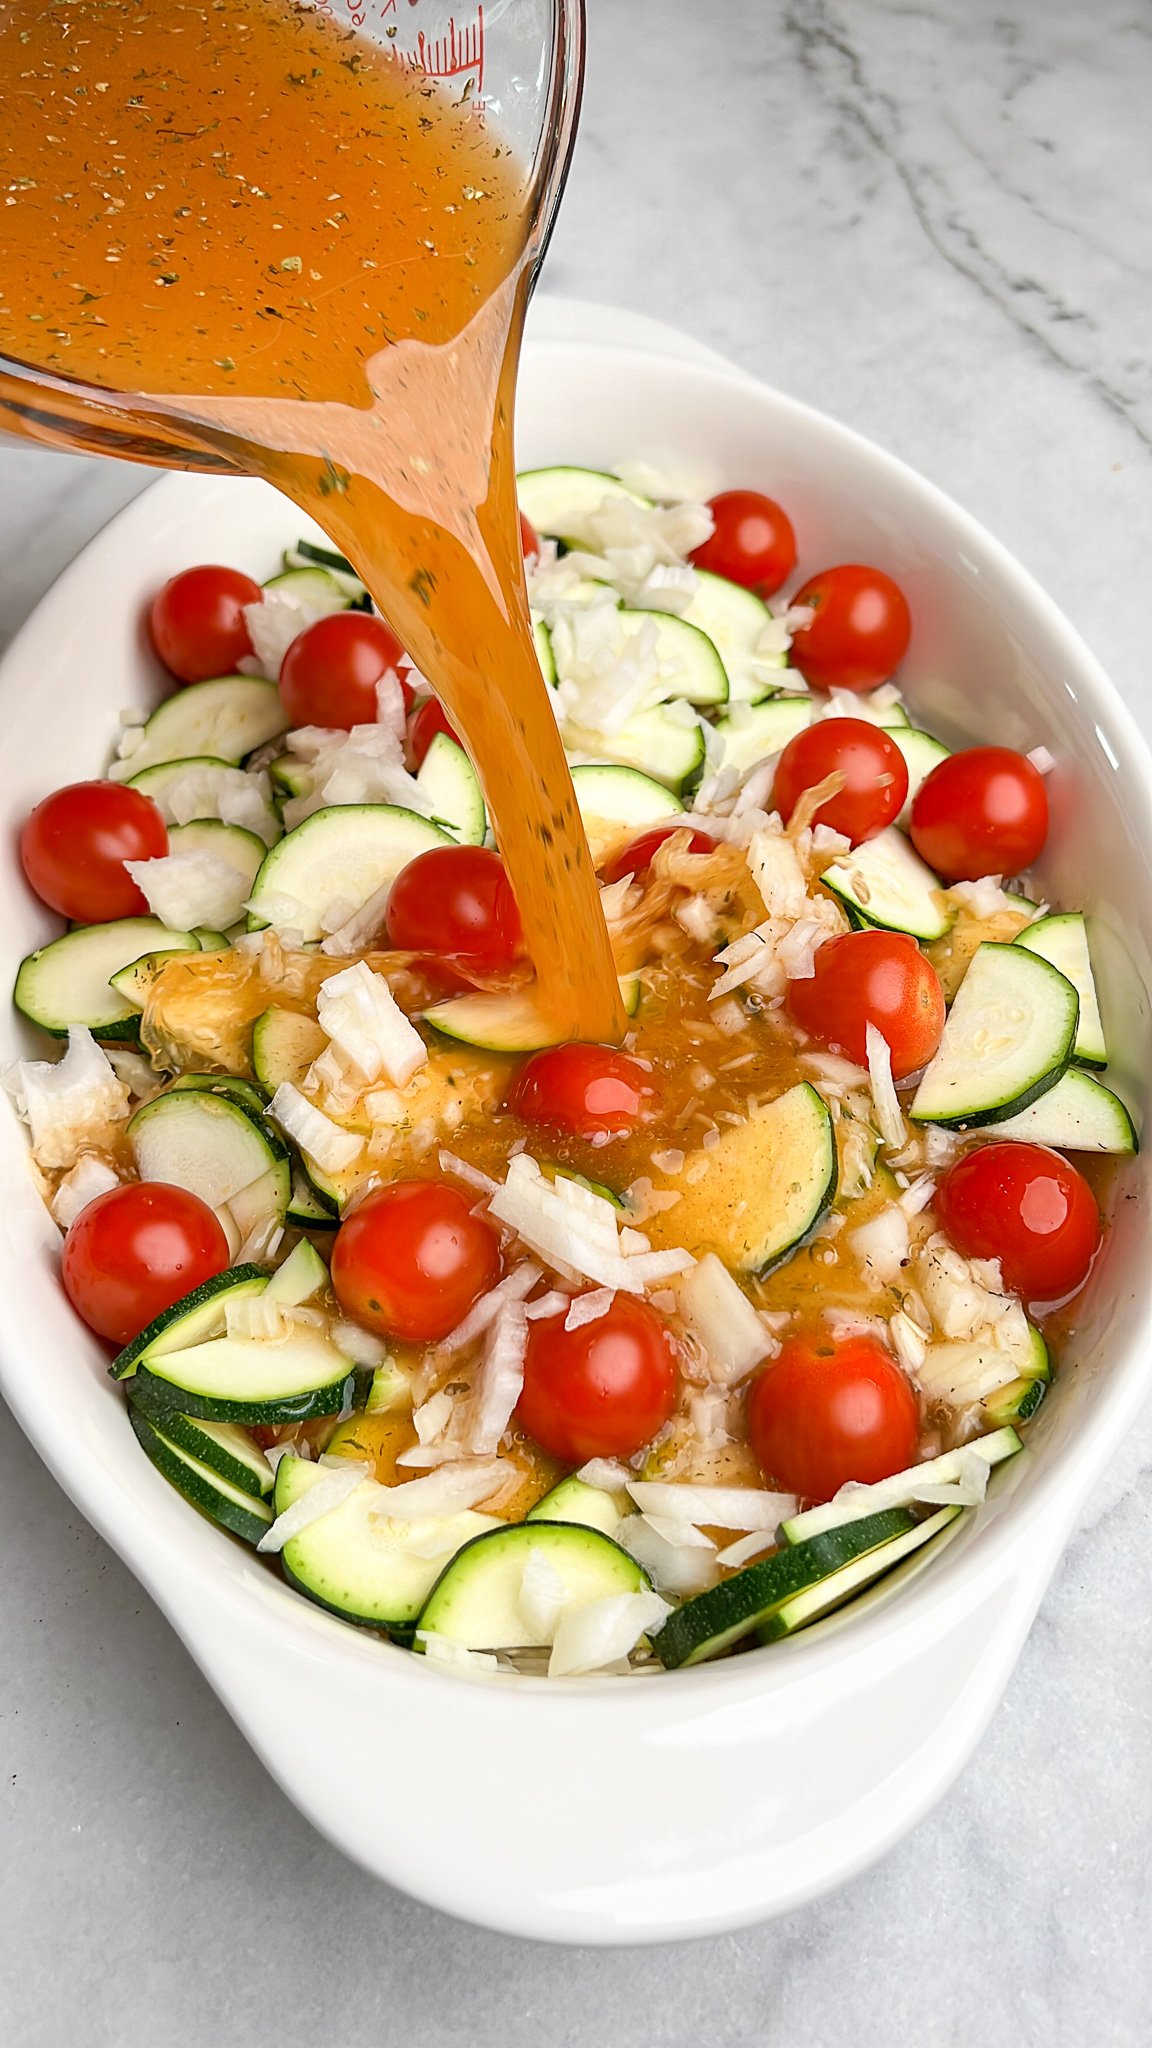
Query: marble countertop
{"x":930,"y":220}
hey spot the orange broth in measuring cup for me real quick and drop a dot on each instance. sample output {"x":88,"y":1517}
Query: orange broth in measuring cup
{"x":277,"y":249}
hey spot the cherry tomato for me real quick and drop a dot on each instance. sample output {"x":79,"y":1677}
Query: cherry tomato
{"x":75,"y":843}
{"x":590,"y":1091}
{"x":330,"y":672}
{"x":456,"y":899}
{"x":980,"y":812}
{"x":197,"y":621}
{"x":751,"y":542}
{"x":861,"y":630}
{"x":874,"y":770}
{"x":879,"y":978}
{"x":529,"y":538}
{"x":426,"y":721}
{"x":603,"y":1390}
{"x":636,"y":858}
{"x":134,"y":1251}
{"x":1027,"y":1207}
{"x":825,"y":1412}
{"x":412,"y":1259}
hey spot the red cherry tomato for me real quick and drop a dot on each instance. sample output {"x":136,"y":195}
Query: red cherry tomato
{"x":874,"y":770}
{"x":590,"y":1091}
{"x":1027,"y":1207}
{"x":197,"y":621}
{"x":861,"y":630}
{"x":825,"y":1412}
{"x":636,"y":858}
{"x":134,"y":1251}
{"x":529,"y":538}
{"x":752,"y":542}
{"x":412,"y":1259}
{"x":980,"y":812}
{"x":879,"y":978}
{"x":456,"y":899}
{"x":330,"y":672}
{"x":426,"y":721}
{"x":75,"y":843}
{"x":603,"y":1390}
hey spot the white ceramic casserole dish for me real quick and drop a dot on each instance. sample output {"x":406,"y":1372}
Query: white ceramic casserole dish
{"x":680,"y":1804}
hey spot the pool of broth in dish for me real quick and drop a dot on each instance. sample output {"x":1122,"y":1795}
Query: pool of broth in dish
{"x":288,"y":254}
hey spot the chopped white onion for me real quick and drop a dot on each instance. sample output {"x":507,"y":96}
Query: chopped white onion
{"x":554,"y":1303}
{"x":886,"y":1102}
{"x":501,"y":1377}
{"x":588,"y":1308}
{"x":746,"y":1548}
{"x":186,"y":889}
{"x":606,"y":1475}
{"x":454,"y":1656}
{"x":447,"y":1491}
{"x":542,"y":1597}
{"x":603,"y":1631}
{"x":718,"y":1313}
{"x":677,"y":1568}
{"x":362,"y":1017}
{"x":65,"y":1100}
{"x":362,"y":1347}
{"x":714,"y":1507}
{"x":461,"y":1169}
{"x":332,"y":1148}
{"x":578,"y":1232}
{"x":336,"y":1484}
{"x":514,"y":1286}
{"x":89,"y":1178}
{"x":882,"y":1243}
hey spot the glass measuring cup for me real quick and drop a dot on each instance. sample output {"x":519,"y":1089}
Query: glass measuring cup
{"x":520,"y":62}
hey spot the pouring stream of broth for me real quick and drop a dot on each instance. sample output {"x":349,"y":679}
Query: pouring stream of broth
{"x":284,"y":252}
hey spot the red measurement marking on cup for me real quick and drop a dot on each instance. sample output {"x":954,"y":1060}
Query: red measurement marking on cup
{"x":458,"y":53}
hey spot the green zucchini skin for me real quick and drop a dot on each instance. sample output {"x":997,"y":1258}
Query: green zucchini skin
{"x":124,"y":1362}
{"x":204,"y":1489}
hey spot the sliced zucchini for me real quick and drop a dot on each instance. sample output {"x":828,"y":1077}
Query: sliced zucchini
{"x":217,"y":777}
{"x":963,"y":1371}
{"x":753,"y":732}
{"x":899,"y":1490}
{"x":193,"y":1320}
{"x":1078,"y":1115}
{"x":452,"y":787}
{"x":840,"y":1586}
{"x":69,"y":981}
{"x":302,"y":1275}
{"x":1063,"y":941}
{"x":234,"y":1507}
{"x":308,"y":1208}
{"x":242,"y":850}
{"x":690,"y":665}
{"x":921,"y":754}
{"x":212,"y":941}
{"x":306,"y":555}
{"x":476,"y":1599}
{"x":661,"y":746}
{"x":132,"y":983}
{"x":756,"y":1195}
{"x":315,"y":588}
{"x":622,"y":797}
{"x":290,"y":777}
{"x":358,"y":1562}
{"x":542,"y":641}
{"x":1015,"y":1402}
{"x":390,"y":1392}
{"x":559,"y":502}
{"x":712,"y":1622}
{"x":226,"y":1449}
{"x":588,"y":1507}
{"x":216,"y":1149}
{"x":239,"y":1379}
{"x":284,"y":1045}
{"x":889,"y":885}
{"x":733,"y":619}
{"x":1008,"y":1039}
{"x":343,"y":854}
{"x":508,"y":1023}
{"x":225,"y":719}
{"x":249,"y":1094}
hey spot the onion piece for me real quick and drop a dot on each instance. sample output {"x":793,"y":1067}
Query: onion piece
{"x":603,"y":1631}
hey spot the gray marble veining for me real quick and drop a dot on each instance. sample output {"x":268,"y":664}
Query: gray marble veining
{"x":931,"y":220}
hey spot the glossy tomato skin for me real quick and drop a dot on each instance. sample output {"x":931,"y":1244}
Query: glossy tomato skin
{"x":587,"y":1091}
{"x":879,"y":978}
{"x":981,"y":812}
{"x":861,"y":630}
{"x":330,"y":672}
{"x":197,"y":621}
{"x":456,"y":900}
{"x":135,"y":1251}
{"x":603,"y":1390}
{"x":411,"y":1260}
{"x":752,"y":542}
{"x":637,"y":857}
{"x":529,"y":539}
{"x":426,"y":721}
{"x":1027,"y":1207}
{"x":874,"y":770}
{"x":824,"y":1412}
{"x":74,"y":845}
